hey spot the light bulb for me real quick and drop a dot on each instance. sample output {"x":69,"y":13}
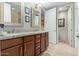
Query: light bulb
{"x":61,"y":9}
{"x":39,"y":5}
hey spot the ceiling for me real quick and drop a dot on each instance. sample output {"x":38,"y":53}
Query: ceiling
{"x":49,"y":5}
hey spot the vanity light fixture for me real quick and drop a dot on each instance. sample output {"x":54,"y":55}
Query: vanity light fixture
{"x":13,"y":8}
{"x":61,"y":9}
{"x":39,"y":5}
{"x":78,"y":4}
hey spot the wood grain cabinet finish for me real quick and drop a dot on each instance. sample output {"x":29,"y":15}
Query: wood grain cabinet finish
{"x":43,"y":39}
{"x":32,"y":45}
{"x":13,"y":51}
{"x":10,"y":42}
{"x":37,"y":52}
{"x":29,"y":46}
{"x":12,"y":47}
{"x":37,"y":44}
{"x":47,"y":40}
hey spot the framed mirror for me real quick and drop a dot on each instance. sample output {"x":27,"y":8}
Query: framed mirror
{"x":0,"y":12}
{"x":35,"y":18}
{"x":12,"y":13}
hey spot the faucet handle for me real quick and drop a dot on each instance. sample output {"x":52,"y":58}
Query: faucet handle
{"x":2,"y":25}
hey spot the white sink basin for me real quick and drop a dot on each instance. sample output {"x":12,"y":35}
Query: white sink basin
{"x":13,"y":34}
{"x":18,"y":34}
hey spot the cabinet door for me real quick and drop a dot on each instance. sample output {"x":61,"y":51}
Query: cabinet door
{"x":29,"y":48}
{"x":13,"y":51}
{"x":47,"y":40}
{"x":43,"y":42}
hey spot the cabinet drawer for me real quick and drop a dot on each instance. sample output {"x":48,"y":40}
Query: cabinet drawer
{"x":29,"y":38}
{"x":37,"y":36}
{"x":43,"y":35}
{"x":13,"y":51}
{"x":10,"y":42}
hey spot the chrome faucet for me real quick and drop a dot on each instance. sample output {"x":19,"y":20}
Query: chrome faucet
{"x":13,"y":30}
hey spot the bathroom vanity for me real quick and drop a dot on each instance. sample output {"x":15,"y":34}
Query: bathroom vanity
{"x":24,"y":44}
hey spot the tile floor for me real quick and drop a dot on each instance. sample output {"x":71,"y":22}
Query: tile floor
{"x":61,"y":49}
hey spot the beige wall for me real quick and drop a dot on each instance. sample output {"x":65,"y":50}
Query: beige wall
{"x":1,"y":12}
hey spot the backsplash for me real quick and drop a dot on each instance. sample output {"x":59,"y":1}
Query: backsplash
{"x":9,"y":29}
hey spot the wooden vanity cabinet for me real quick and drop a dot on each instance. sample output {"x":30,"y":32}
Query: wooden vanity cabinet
{"x":12,"y":47}
{"x":29,"y":45}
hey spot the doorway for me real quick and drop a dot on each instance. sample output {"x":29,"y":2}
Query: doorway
{"x":62,"y":25}
{"x":50,"y":25}
{"x":65,"y":24}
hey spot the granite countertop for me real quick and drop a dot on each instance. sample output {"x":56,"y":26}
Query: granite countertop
{"x":15,"y":35}
{"x":77,"y":35}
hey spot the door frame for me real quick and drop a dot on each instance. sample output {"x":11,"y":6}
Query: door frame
{"x":70,"y":30}
{"x":72,"y":4}
{"x":56,"y":41}
{"x":57,"y":38}
{"x":72,"y":26}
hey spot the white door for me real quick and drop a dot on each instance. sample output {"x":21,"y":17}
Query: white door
{"x":76,"y":27}
{"x":70,"y":25}
{"x":50,"y":24}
